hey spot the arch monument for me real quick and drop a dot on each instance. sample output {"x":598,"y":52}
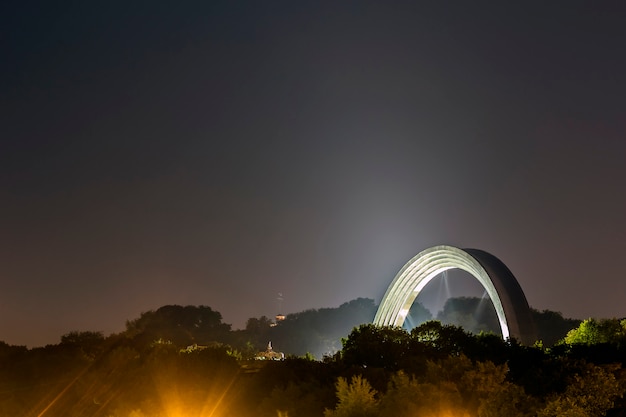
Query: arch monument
{"x":503,"y":289}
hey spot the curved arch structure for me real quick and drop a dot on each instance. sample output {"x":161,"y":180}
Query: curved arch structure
{"x":501,"y":286}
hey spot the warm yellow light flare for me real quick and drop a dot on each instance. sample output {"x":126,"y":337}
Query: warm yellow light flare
{"x":202,"y":402}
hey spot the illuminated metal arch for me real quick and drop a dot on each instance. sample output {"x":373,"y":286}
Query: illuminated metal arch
{"x":505,"y":292}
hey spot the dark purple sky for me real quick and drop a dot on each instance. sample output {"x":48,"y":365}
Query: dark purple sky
{"x":218,"y":153}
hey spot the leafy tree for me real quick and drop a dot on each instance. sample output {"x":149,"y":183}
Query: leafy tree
{"x":253,"y":338}
{"x":456,"y":386}
{"x":552,"y":326}
{"x":442,"y":340}
{"x":91,"y":343}
{"x":304,"y":399}
{"x":489,"y":347}
{"x":373,"y":346}
{"x":320,"y":331}
{"x":591,"y":392}
{"x":355,"y":399}
{"x":179,"y":325}
{"x":485,"y":390}
{"x":592,"y":332}
{"x":510,"y":400}
{"x":258,"y":325}
{"x":407,"y":396}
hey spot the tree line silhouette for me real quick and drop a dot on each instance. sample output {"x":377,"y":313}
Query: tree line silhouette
{"x":183,"y":360}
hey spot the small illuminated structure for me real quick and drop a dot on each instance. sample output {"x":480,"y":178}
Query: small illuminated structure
{"x":501,"y":286}
{"x":270,"y":354}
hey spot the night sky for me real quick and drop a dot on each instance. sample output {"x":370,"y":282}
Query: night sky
{"x":218,"y":153}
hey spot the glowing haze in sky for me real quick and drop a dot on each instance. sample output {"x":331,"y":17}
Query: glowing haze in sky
{"x":219,"y":153}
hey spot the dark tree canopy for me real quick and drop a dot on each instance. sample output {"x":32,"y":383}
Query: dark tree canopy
{"x":167,"y":363}
{"x":179,"y":325}
{"x":319,"y":331}
{"x":552,"y":326}
{"x":91,"y":343}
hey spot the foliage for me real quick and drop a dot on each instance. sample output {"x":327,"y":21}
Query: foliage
{"x":436,"y":369}
{"x":593,"y":332}
{"x":355,"y":399}
{"x":371,"y":345}
{"x":258,"y":329}
{"x":453,"y":386}
{"x":179,"y":325}
{"x":90,"y":343}
{"x":409,"y":396}
{"x":441,"y":339}
{"x":590,"y":392}
{"x":552,"y":326}
{"x":296,"y":398}
{"x":319,"y":332}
